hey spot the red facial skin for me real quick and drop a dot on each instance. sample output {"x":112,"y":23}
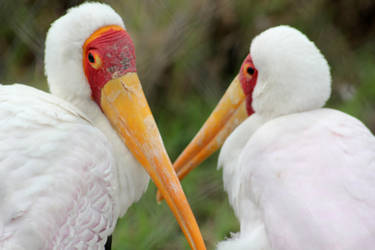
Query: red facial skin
{"x":114,"y":55}
{"x":248,"y":77}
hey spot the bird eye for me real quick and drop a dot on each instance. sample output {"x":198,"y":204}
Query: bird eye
{"x":94,"y":59}
{"x":91,"y":58}
{"x":250,"y":70}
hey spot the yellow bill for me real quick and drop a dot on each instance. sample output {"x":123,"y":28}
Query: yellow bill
{"x":227,"y":115}
{"x":125,"y":105}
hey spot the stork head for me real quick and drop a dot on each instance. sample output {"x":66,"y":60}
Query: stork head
{"x":90,"y":61}
{"x":293,"y":75}
{"x":73,"y":41}
{"x":284,"y":73}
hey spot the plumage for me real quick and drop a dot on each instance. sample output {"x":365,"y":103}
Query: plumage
{"x":298,"y":176}
{"x":58,"y":188}
{"x":72,"y":163}
{"x":312,"y":188}
{"x":63,"y":64}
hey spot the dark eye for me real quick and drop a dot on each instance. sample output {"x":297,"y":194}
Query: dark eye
{"x":250,"y":70}
{"x":91,"y":58}
{"x":94,"y":59}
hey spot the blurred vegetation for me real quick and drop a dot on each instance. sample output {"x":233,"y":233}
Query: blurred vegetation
{"x":187,"y":53}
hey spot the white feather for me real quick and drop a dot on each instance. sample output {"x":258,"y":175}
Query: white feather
{"x":311,"y":177}
{"x":293,"y":75}
{"x":66,"y":79}
{"x":65,"y":174}
{"x":298,"y":176}
{"x":63,"y":52}
{"x":57,"y":176}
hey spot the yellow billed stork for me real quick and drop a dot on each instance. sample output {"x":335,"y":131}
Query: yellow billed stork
{"x":298,"y":176}
{"x":72,"y":163}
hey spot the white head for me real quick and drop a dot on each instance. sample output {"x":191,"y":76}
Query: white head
{"x":90,"y":62}
{"x":293,"y":75}
{"x":284,"y":73}
{"x":64,"y":53}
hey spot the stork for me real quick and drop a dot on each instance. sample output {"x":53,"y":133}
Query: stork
{"x":298,"y":176}
{"x":72,"y":163}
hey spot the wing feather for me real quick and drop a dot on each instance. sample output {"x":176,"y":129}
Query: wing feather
{"x":57,"y":174}
{"x":312,"y":177}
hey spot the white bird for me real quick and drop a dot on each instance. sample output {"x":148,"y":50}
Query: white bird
{"x":66,"y":175}
{"x":298,"y":176}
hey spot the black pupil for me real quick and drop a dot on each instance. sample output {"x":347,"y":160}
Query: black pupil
{"x":91,"y":58}
{"x":250,"y":70}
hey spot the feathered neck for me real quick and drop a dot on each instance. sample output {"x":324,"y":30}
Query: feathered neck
{"x":66,"y":79}
{"x":293,"y":75}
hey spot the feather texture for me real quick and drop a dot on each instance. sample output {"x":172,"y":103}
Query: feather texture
{"x":308,"y":178}
{"x":57,"y":175}
{"x":63,"y":54}
{"x":65,"y":174}
{"x":298,"y":176}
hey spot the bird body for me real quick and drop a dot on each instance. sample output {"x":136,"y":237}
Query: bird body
{"x":58,"y":175}
{"x":298,"y":176}
{"x":73,"y":161}
{"x":67,"y":80}
{"x":300,"y":179}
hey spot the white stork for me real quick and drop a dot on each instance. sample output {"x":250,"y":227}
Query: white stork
{"x":298,"y":176}
{"x":66,"y":175}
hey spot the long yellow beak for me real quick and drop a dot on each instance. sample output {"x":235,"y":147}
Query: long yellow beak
{"x":227,"y":115}
{"x":125,"y":105}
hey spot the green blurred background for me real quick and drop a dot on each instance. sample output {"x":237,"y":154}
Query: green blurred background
{"x":187,"y":53}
